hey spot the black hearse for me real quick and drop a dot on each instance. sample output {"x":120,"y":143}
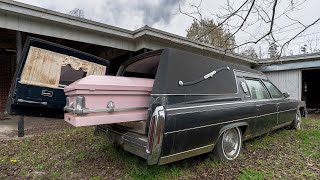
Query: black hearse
{"x":44,"y":70}
{"x":198,"y":105}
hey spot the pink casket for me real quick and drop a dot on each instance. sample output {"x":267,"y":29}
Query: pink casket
{"x":96,"y":100}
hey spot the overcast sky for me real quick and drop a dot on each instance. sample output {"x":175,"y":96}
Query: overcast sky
{"x":164,"y":15}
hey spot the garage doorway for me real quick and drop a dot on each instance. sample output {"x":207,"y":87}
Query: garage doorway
{"x":311,"y":88}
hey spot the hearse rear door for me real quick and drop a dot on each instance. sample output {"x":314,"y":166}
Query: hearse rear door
{"x":44,"y":70}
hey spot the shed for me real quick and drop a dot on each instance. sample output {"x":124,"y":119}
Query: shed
{"x":298,"y":75}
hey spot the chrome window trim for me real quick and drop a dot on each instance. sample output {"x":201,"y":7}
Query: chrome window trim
{"x":243,"y":74}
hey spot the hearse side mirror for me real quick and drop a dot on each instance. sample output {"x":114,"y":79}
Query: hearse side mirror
{"x":286,"y":95}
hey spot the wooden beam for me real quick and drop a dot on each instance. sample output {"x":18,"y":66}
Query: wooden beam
{"x":59,"y":41}
{"x":18,"y":47}
{"x":84,"y":47}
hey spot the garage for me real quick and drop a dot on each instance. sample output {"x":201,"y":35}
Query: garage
{"x":7,"y":64}
{"x":311,"y":88}
{"x":11,"y":47}
{"x":297,"y":75}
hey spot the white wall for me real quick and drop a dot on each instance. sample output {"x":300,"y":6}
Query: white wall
{"x":287,"y":81}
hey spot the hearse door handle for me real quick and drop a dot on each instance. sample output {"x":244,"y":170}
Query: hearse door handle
{"x":207,"y":76}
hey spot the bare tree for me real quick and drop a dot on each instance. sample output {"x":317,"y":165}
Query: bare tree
{"x":239,"y":16}
{"x":77,"y":13}
{"x":218,"y":37}
{"x":312,"y":44}
{"x":273,"y":50}
{"x":304,"y":49}
{"x":250,"y":52}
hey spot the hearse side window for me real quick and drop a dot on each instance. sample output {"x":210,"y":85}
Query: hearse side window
{"x":274,"y":91}
{"x":144,"y":68}
{"x":257,"y":90}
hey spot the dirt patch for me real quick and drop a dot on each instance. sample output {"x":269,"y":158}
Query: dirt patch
{"x":4,"y":117}
{"x":33,"y":126}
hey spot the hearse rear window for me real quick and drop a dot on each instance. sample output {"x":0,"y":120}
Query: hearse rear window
{"x":144,"y":68}
{"x":54,"y":70}
{"x":257,"y":90}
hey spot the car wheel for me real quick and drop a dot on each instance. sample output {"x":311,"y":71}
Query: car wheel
{"x":229,"y":145}
{"x":296,"y":124}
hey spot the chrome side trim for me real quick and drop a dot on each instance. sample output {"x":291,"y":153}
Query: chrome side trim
{"x":288,"y":110}
{"x":185,"y":154}
{"x":234,"y":102}
{"x":191,"y":94}
{"x":281,"y":125}
{"x":199,"y":127}
{"x":171,"y":132}
{"x":157,"y":136}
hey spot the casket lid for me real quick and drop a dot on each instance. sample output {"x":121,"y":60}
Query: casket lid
{"x":116,"y":83}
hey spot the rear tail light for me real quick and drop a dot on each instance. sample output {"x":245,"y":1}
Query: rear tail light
{"x":155,"y":135}
{"x":150,"y":134}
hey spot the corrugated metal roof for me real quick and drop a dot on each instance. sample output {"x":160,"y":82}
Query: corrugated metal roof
{"x":289,"y":66}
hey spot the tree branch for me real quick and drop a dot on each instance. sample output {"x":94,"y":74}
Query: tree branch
{"x":304,"y":29}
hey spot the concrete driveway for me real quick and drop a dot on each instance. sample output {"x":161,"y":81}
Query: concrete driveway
{"x":33,"y":126}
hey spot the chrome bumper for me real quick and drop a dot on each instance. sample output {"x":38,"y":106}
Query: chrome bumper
{"x":131,"y":142}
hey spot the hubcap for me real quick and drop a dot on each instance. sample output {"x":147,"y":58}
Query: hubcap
{"x":231,"y":143}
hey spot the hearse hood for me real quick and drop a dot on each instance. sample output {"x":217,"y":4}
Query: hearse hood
{"x":45,"y":69}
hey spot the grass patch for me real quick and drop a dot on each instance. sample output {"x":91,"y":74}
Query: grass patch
{"x":76,"y":153}
{"x":309,"y":138}
{"x":138,"y":168}
{"x":251,"y":174}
